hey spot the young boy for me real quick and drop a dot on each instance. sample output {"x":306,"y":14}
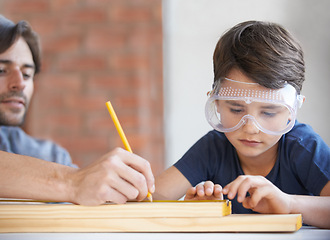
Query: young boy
{"x":266,"y":161}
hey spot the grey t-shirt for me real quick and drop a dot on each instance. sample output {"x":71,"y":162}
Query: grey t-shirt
{"x":15,"y":140}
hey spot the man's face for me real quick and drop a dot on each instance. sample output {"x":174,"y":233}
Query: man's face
{"x":16,"y":83}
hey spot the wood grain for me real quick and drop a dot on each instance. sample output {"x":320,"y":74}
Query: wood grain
{"x":175,"y":216}
{"x":128,"y":210}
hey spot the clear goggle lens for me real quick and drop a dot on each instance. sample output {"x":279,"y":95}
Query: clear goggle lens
{"x":233,"y":104}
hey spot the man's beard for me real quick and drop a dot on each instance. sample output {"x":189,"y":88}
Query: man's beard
{"x":5,"y":121}
{"x":5,"y":118}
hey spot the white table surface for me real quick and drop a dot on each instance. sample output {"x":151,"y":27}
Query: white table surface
{"x":304,"y":233}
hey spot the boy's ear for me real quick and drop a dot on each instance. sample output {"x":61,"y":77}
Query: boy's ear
{"x":301,"y":100}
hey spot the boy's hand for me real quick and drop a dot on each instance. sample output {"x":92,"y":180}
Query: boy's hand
{"x":264,"y":197}
{"x":204,"y":191}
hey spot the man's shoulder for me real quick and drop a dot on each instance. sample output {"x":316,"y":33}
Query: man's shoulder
{"x":18,"y":135}
{"x":13,"y":133}
{"x":16,"y":140}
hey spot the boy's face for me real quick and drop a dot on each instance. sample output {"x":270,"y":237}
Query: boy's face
{"x":248,"y":140}
{"x":16,"y":83}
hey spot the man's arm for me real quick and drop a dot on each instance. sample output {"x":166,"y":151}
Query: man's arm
{"x":117,"y":176}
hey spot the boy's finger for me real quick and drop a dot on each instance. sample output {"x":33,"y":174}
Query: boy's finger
{"x":218,"y":192}
{"x":200,"y":190}
{"x":249,"y":184}
{"x":231,"y":188}
{"x":191,"y":192}
{"x":209,"y":188}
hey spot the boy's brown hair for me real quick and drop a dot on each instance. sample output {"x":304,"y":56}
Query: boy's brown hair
{"x":263,"y":51}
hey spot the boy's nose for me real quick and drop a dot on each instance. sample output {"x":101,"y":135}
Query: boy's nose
{"x":250,"y":127}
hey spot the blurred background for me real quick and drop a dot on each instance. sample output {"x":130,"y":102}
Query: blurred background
{"x":95,"y":51}
{"x":153,"y":60}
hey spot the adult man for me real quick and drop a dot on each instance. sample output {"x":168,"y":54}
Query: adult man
{"x":117,"y":176}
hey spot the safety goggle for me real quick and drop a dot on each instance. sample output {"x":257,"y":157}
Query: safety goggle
{"x":233,"y":103}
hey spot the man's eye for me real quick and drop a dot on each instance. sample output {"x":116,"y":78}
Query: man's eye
{"x":27,"y":76}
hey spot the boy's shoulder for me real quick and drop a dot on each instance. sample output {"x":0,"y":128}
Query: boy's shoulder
{"x":302,"y":131}
{"x":215,"y":141}
{"x":215,"y":135}
{"x":304,"y":135}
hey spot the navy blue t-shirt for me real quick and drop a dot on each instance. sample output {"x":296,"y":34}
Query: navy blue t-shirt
{"x":302,"y":166}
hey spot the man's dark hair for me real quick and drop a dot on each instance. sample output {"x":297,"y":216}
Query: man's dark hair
{"x":10,"y":32}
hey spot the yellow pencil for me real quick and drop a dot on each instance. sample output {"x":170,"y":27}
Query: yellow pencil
{"x":121,"y":134}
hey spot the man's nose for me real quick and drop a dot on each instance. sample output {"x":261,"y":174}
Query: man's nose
{"x":16,"y":80}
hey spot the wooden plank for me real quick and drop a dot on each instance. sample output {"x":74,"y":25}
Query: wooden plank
{"x":129,"y":210}
{"x":231,"y":223}
{"x":159,"y":216}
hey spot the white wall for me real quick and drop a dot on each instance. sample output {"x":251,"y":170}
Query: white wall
{"x":191,"y":31}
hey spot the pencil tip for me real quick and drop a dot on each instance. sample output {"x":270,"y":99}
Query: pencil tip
{"x":149,"y":197}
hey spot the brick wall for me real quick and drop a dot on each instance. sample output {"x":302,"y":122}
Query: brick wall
{"x":95,"y":51}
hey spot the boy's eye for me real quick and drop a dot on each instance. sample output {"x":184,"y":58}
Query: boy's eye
{"x":268,"y":114}
{"x":236,"y":110}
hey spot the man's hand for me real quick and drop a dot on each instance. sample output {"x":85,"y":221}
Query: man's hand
{"x":118,"y":176}
{"x":204,"y":191}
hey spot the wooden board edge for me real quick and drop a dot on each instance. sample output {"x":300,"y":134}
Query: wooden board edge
{"x":231,"y":223}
